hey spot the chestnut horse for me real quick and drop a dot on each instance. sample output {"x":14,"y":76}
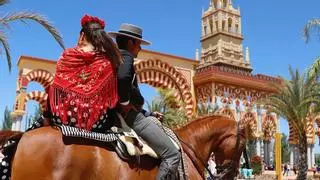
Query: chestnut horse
{"x":44,"y":154}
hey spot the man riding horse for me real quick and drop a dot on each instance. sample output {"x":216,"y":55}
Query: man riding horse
{"x":129,"y":40}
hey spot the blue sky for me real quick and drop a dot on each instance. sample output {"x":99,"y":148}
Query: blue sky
{"x":272,"y":30}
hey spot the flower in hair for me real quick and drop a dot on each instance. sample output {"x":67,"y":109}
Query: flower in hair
{"x":86,"y":19}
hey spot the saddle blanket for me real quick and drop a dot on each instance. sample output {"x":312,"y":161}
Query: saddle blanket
{"x":81,"y":133}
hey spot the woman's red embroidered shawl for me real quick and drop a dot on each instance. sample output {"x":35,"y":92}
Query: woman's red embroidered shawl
{"x":84,"y":87}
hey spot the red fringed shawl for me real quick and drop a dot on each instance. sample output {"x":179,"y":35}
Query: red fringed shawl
{"x":84,"y":86}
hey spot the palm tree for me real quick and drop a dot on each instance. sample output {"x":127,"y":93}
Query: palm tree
{"x":313,"y":24}
{"x":23,"y":16}
{"x":156,"y":105}
{"x":295,"y":101}
{"x":205,"y":109}
{"x":285,"y":153}
{"x":252,"y":147}
{"x":167,"y":104}
{"x":32,"y":118}
{"x":7,"y":120}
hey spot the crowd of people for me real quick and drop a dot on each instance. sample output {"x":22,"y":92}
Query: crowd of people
{"x":286,"y":169}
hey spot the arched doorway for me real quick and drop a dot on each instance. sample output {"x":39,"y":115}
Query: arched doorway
{"x":160,"y":74}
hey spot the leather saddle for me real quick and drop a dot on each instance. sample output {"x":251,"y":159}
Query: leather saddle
{"x":130,"y":144}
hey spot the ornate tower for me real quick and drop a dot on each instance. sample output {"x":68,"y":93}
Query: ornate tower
{"x":221,"y":37}
{"x":224,"y":80}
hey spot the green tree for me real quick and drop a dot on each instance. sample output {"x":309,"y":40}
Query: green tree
{"x":256,"y":163}
{"x":7,"y":120}
{"x":156,"y":105}
{"x":296,"y":99}
{"x":23,"y":16}
{"x":30,"y":119}
{"x":285,"y":149}
{"x":317,"y":159}
{"x":252,"y":148}
{"x":204,"y":109}
{"x":167,"y":104}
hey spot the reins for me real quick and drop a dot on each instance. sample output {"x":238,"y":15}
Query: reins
{"x":226,"y":170}
{"x":193,"y":161}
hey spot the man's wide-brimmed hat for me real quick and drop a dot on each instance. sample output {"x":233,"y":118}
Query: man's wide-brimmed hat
{"x":130,"y":30}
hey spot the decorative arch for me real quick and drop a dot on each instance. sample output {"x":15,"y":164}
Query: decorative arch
{"x":268,"y":127}
{"x":236,"y":30}
{"x":229,"y":24}
{"x":293,"y":136}
{"x":250,"y":119}
{"x":215,"y":3}
{"x":227,"y":112}
{"x":39,"y":96}
{"x":20,"y":103}
{"x":224,"y":3}
{"x":44,"y":77}
{"x":310,"y":131}
{"x":317,"y":121}
{"x":160,"y":74}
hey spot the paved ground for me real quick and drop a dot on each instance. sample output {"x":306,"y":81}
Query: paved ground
{"x":270,"y":175}
{"x":290,"y":176}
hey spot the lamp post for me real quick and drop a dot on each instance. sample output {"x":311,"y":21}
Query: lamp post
{"x":278,"y":151}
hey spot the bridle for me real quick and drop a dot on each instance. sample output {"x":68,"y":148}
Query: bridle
{"x":225,"y":169}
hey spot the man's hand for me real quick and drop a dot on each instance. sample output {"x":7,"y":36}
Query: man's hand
{"x":158,"y":115}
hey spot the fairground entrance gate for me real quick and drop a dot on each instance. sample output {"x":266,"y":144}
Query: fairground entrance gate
{"x":220,"y":75}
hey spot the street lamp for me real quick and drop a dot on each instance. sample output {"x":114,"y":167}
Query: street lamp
{"x":278,"y":151}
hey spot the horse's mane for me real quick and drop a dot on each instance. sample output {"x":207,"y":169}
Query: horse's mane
{"x":204,"y":124}
{"x":7,"y":135}
{"x":213,"y":117}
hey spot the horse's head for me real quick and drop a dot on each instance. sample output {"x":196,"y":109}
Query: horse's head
{"x":217,"y":134}
{"x":229,"y":151}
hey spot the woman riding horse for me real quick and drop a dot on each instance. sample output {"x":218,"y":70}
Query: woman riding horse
{"x":84,"y":88}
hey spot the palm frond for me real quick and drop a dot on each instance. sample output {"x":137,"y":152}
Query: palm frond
{"x":314,"y":70}
{"x":312,"y":24}
{"x":22,"y":16}
{"x":5,"y":44}
{"x":294,"y":99}
{"x":155,"y":106}
{"x":3,"y":2}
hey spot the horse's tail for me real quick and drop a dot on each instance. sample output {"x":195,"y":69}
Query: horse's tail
{"x":7,"y":135}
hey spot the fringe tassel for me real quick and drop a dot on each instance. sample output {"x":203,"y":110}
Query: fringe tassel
{"x":86,"y":109}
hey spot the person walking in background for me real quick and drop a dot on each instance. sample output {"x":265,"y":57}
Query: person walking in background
{"x":212,"y":164}
{"x":294,"y":170}
{"x":288,"y":169}
{"x":314,"y":169}
{"x":285,"y":168}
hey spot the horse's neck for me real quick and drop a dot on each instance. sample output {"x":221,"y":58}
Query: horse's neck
{"x":198,"y":140}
